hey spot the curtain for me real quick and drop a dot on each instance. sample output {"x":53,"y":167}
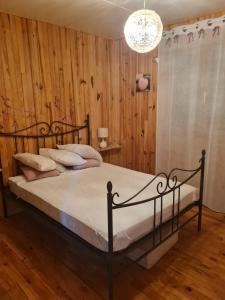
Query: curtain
{"x":191,"y":106}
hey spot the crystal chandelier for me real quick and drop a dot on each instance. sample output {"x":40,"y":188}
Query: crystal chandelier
{"x":143,"y":30}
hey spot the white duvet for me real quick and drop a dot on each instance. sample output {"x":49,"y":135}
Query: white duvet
{"x":78,"y":200}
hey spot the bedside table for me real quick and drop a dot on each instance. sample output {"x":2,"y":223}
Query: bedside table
{"x":2,"y":191}
{"x":109,"y":148}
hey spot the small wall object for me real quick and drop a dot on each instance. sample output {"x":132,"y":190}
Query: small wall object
{"x":142,"y":83}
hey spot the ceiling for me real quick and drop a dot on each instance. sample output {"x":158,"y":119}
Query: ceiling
{"x":104,"y":17}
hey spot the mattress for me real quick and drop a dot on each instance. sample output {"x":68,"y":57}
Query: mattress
{"x":78,"y":200}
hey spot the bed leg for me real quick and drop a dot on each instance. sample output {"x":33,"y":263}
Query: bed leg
{"x":4,"y":203}
{"x":110,"y":278}
{"x":5,"y":210}
{"x":201,"y":191}
{"x":110,"y":239}
{"x":200,"y":218}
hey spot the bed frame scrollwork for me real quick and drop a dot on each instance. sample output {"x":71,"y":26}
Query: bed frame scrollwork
{"x":165,"y":184}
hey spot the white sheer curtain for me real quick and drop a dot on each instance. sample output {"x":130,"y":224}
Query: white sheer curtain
{"x":191,"y":107}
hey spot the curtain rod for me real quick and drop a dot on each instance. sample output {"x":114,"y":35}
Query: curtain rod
{"x":185,"y":29}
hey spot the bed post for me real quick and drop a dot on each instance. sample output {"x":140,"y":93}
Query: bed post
{"x":87,"y":121}
{"x":201,"y":190}
{"x":110,"y":239}
{"x":2,"y":191}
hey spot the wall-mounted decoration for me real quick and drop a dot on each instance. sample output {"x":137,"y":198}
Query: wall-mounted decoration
{"x":143,"y":83}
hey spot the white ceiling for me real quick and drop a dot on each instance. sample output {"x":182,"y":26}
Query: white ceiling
{"x":102,"y":17}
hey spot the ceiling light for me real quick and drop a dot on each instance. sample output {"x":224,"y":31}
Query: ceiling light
{"x":143,"y":30}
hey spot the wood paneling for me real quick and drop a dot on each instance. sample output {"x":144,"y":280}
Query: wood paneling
{"x":39,"y":262}
{"x":138,"y":110}
{"x":49,"y":72}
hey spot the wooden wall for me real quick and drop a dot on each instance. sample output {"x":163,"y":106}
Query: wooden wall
{"x":137,"y":110}
{"x":53,"y":73}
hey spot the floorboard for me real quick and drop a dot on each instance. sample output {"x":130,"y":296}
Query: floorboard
{"x":38,"y":261}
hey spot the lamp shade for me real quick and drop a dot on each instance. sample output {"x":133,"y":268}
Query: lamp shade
{"x":103,"y":133}
{"x":143,"y":30}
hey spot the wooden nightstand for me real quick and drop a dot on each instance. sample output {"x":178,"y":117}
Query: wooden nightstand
{"x":109,"y":148}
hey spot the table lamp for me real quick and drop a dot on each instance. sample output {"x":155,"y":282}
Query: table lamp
{"x":103,"y":133}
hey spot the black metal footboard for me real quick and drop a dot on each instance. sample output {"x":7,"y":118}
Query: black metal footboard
{"x":170,"y":185}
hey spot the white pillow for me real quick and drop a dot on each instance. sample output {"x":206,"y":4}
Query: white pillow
{"x":66,"y":158}
{"x":85,"y":151}
{"x":36,"y":162}
{"x":45,"y":152}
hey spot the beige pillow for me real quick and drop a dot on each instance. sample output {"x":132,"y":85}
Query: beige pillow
{"x":66,"y":158}
{"x":60,"y":168}
{"x":91,"y":163}
{"x":31,"y":174}
{"x":35,"y":161}
{"x":85,"y":151}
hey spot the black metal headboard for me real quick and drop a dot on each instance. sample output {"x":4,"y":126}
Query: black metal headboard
{"x":54,"y":129}
{"x":41,"y":131}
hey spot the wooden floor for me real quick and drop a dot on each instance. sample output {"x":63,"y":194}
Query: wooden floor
{"x":37,"y":261}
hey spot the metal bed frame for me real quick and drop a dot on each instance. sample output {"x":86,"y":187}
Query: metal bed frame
{"x":57,"y":130}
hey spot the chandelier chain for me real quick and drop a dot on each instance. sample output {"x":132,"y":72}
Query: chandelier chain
{"x":148,"y":4}
{"x":116,"y":5}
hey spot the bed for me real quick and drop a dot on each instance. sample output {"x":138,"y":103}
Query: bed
{"x":66,"y":199}
{"x":111,"y":223}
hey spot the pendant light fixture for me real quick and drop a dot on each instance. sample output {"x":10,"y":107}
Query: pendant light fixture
{"x":143,"y":30}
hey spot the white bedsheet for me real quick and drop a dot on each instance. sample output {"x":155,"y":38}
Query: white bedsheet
{"x":77,"y":199}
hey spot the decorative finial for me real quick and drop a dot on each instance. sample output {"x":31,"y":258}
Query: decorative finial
{"x":203,"y":152}
{"x":109,"y":187}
